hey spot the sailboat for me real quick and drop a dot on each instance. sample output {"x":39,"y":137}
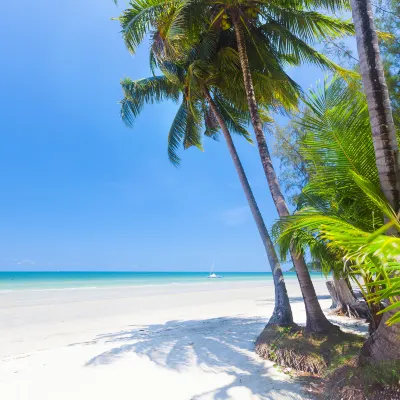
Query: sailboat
{"x":212,"y":274}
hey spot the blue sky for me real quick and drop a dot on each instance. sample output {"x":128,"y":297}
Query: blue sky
{"x":80,"y":191}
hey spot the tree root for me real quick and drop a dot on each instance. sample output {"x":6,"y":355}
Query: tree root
{"x":303,"y":352}
{"x":344,"y":302}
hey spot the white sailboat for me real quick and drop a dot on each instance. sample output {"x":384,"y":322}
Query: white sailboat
{"x":212,"y":274}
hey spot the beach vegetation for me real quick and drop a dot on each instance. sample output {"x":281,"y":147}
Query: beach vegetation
{"x":378,"y":381}
{"x":343,"y":217}
{"x":310,"y":353}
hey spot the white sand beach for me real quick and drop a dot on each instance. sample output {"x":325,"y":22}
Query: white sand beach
{"x":178,"y":342}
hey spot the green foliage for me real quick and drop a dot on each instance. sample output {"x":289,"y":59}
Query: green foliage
{"x":209,"y":65}
{"x":342,"y":209}
{"x":302,"y":351}
{"x":378,"y":380}
{"x":188,"y":81}
{"x":145,"y":91}
{"x":193,"y":45}
{"x":278,"y":33}
{"x":293,"y":173}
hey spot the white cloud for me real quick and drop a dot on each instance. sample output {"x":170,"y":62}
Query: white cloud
{"x":236,"y":216}
{"x":24,"y":261}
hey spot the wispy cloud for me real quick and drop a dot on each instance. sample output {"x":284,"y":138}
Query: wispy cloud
{"x":236,"y":216}
{"x":24,"y":261}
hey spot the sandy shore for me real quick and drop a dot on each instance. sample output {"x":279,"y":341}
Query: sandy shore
{"x":178,"y":342}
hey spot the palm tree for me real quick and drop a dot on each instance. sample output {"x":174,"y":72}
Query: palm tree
{"x":316,"y":319}
{"x":341,"y":209}
{"x":383,"y":128}
{"x":201,"y":109}
{"x":277,"y":34}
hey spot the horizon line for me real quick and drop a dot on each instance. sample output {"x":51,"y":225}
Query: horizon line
{"x":142,"y":271}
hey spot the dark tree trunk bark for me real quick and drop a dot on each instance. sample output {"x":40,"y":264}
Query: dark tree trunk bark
{"x":282,"y":315}
{"x":384,"y":343}
{"x":316,"y":319}
{"x":380,"y":112}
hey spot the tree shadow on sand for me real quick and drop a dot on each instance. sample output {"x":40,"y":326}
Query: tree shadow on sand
{"x":218,"y":345}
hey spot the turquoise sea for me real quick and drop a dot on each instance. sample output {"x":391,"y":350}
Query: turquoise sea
{"x":10,"y":281}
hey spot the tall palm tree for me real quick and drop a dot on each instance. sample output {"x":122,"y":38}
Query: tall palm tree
{"x":276,"y":32}
{"x":201,"y":109}
{"x":385,"y":144}
{"x":293,"y":26}
{"x":316,"y":319}
{"x":383,"y":128}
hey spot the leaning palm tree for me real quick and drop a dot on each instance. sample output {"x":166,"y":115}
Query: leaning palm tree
{"x":271,"y":33}
{"x":204,"y":107}
{"x":316,"y":320}
{"x":383,"y":128}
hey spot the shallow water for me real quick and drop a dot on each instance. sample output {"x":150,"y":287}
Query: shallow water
{"x":11,"y":281}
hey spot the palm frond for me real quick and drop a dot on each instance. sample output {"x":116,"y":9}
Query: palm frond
{"x":235,"y":120}
{"x":137,"y":20}
{"x":309,"y":26}
{"x":145,"y":91}
{"x":177,"y":133}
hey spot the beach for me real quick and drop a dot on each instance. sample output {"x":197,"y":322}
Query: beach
{"x":172,"y":341}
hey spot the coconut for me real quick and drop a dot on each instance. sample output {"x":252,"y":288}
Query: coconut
{"x":226,"y":26}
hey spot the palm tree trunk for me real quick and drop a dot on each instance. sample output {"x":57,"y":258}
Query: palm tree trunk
{"x":380,"y":112}
{"x":384,"y":343}
{"x":282,"y":314}
{"x":316,"y":319}
{"x":345,"y":301}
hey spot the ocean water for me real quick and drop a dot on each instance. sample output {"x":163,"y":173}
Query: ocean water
{"x":11,"y":281}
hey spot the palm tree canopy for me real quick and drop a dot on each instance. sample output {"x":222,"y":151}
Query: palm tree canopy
{"x":214,"y":66}
{"x":193,"y":118}
{"x":279,"y":33}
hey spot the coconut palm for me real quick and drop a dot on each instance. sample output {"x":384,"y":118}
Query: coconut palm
{"x":383,"y":128}
{"x":275,"y":33}
{"x":204,"y":108}
{"x":244,"y":18}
